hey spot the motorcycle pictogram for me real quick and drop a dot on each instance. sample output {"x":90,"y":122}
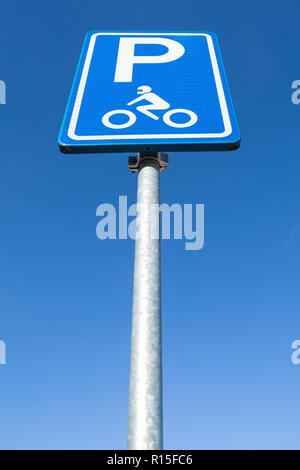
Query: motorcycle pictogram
{"x":154,"y":103}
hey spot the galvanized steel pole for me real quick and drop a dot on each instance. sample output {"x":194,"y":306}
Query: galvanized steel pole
{"x":145,"y":428}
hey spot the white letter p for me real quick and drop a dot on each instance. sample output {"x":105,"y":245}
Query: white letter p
{"x":126,"y":57}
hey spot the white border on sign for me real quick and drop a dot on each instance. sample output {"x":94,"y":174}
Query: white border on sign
{"x":83,"y":79}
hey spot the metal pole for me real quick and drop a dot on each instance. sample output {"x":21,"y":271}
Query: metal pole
{"x":145,"y":429}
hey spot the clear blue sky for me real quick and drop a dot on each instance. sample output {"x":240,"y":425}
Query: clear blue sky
{"x":230,"y":310}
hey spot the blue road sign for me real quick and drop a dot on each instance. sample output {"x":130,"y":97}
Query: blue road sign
{"x":149,"y":92}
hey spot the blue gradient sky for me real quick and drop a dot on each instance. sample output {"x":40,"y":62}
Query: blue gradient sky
{"x":230,"y":310}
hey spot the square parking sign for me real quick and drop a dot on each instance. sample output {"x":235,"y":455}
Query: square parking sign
{"x":143,"y":91}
